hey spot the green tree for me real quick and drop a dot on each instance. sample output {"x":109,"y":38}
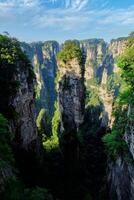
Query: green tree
{"x":70,"y":50}
{"x":126,"y":63}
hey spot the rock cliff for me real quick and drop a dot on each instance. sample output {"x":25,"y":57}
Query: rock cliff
{"x":102,"y":79}
{"x":71,"y":100}
{"x":23,"y":103}
{"x":121,"y":168}
{"x":121,"y":171}
{"x":43,"y":57}
{"x":18,"y":129}
{"x":71,"y":95}
{"x":101,"y":72}
{"x":17,"y":93}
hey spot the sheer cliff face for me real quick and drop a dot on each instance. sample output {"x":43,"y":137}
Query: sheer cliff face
{"x":17,"y":105}
{"x":71,"y":98}
{"x":23,"y":126}
{"x":101,"y":71}
{"x":121,"y":180}
{"x":17,"y":93}
{"x":71,"y":95}
{"x":121,"y":171}
{"x":129,"y":134}
{"x":99,"y":68}
{"x":43,"y":57}
{"x":95,"y":50}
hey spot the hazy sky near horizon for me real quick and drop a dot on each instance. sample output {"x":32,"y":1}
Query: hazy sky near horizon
{"x":36,"y":20}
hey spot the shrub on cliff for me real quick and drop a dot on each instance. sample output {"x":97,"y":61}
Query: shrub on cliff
{"x":70,"y":50}
{"x":52,"y":143}
{"x":114,"y":141}
{"x":126,"y":63}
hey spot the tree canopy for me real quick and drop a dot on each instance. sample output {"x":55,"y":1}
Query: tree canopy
{"x":69,"y":51}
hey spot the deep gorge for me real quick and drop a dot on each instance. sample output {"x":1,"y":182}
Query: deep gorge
{"x":62,"y":140}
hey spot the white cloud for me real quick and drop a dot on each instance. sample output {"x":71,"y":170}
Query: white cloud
{"x":79,"y":4}
{"x":118,"y":17}
{"x":63,"y":20}
{"x":72,"y":4}
{"x":14,"y":4}
{"x":6,"y":5}
{"x":65,"y":14}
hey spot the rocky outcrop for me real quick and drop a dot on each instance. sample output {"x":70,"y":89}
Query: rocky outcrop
{"x":100,"y":70}
{"x":117,"y":46}
{"x":95,"y":50}
{"x":71,"y":95}
{"x":71,"y":100}
{"x":23,"y":102}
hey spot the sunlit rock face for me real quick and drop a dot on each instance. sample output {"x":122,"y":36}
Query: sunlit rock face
{"x":43,"y":57}
{"x":101,"y":75}
{"x":100,"y":64}
{"x":95,"y":50}
{"x":100,"y":72}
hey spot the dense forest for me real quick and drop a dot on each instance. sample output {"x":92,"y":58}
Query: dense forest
{"x":67,"y":120}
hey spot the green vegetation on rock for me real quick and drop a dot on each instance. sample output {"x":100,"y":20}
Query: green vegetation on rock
{"x":114,"y":81}
{"x":114,"y":141}
{"x":52,"y":143}
{"x":70,"y":51}
{"x":12,"y":60}
{"x":92,"y":93}
{"x":40,"y":118}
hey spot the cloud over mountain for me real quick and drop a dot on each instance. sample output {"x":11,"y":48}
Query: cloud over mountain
{"x":75,"y":17}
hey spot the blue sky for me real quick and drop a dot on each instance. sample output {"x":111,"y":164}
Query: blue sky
{"x":36,"y":20}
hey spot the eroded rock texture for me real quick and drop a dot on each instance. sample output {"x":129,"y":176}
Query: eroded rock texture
{"x":43,"y":57}
{"x":71,"y":95}
{"x":23,"y":126}
{"x":121,"y":171}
